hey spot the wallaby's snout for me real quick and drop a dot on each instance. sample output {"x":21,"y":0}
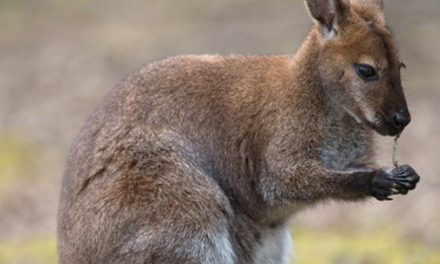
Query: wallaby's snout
{"x":394,"y":123}
{"x":396,"y":114}
{"x":391,"y":122}
{"x":389,"y":114}
{"x":401,"y":119}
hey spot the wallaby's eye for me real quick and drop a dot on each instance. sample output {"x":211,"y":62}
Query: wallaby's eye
{"x":366,"y":72}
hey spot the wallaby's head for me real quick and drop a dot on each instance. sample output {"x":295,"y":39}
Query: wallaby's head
{"x":359,"y":63}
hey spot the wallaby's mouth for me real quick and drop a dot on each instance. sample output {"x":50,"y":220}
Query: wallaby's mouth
{"x":385,"y":127}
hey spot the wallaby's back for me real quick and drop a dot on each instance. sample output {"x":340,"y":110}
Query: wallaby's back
{"x":149,"y":161}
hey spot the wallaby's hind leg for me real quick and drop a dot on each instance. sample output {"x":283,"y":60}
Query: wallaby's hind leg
{"x":185,"y":223}
{"x":174,"y":215}
{"x":211,"y":246}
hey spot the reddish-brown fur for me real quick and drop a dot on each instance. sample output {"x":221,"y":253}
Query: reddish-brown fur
{"x":203,"y":159}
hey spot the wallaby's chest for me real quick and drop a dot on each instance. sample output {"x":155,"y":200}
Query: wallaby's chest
{"x":345,"y":144}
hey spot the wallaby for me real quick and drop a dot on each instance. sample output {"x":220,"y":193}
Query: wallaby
{"x":203,"y":159}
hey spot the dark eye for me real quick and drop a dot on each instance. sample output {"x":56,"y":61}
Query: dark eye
{"x":366,"y":72}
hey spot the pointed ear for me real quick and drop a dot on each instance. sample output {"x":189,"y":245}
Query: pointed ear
{"x":328,"y":13}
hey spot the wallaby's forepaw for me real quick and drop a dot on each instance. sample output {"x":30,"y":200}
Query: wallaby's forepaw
{"x":398,"y":181}
{"x":406,"y":177}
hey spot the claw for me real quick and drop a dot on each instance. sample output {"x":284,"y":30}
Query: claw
{"x":405,"y":184}
{"x":384,"y":198}
{"x":395,"y":191}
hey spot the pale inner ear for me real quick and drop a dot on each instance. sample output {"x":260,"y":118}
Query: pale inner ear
{"x":327,"y":15}
{"x":330,"y":34}
{"x":330,"y":28}
{"x":325,"y":12}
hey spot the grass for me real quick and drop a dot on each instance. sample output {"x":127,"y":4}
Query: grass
{"x":320,"y":247}
{"x":381,"y":246}
{"x":34,"y":251}
{"x":15,"y":159}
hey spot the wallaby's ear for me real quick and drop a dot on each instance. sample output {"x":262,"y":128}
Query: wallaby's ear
{"x":328,"y":13}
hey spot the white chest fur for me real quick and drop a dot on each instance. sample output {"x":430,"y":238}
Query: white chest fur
{"x":274,"y":247}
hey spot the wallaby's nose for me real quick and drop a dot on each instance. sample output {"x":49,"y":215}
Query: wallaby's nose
{"x":401,"y":119}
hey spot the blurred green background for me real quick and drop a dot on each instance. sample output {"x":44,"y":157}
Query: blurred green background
{"x":58,"y":59}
